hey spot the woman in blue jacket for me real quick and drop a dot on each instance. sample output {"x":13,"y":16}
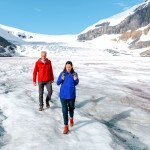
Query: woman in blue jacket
{"x":68,"y":80}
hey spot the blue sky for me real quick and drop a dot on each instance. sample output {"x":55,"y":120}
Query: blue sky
{"x":59,"y":16}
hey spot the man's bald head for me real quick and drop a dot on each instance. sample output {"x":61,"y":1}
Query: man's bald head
{"x":43,"y":55}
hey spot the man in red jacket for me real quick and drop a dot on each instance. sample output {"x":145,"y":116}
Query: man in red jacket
{"x":43,"y":68}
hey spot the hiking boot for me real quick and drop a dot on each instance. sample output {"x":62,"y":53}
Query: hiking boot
{"x":40,"y":108}
{"x":71,"y":122}
{"x":66,"y":129}
{"x":47,"y":104}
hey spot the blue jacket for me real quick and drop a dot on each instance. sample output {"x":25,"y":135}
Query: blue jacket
{"x":67,"y":89}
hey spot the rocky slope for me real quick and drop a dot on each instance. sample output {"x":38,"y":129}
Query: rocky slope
{"x":6,"y":48}
{"x":136,"y":23}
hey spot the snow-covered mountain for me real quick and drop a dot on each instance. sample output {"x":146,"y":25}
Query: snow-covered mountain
{"x":28,"y":44}
{"x":124,"y":33}
{"x":126,"y":30}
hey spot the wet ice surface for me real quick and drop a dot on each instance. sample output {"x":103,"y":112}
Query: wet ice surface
{"x":2,"y":131}
{"x":112,"y":106}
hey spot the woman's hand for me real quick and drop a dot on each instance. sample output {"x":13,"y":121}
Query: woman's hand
{"x":75,"y":77}
{"x":63,"y":78}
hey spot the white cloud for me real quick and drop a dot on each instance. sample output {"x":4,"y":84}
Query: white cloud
{"x":125,"y":8}
{"x":120,"y":4}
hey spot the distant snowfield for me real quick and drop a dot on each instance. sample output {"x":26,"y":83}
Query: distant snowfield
{"x":33,"y":43}
{"x":112,"y":106}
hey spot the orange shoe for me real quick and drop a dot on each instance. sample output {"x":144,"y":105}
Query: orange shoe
{"x":66,"y":129}
{"x":71,"y":122}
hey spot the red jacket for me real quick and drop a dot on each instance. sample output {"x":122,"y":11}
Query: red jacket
{"x":44,"y":70}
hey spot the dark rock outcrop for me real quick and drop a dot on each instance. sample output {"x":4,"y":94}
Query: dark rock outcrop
{"x":140,"y":45}
{"x":4,"y":43}
{"x":7,"y":49}
{"x":145,"y":53}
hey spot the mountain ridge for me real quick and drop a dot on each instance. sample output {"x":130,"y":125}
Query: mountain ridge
{"x":127,"y":29}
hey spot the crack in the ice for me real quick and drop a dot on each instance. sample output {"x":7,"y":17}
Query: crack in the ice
{"x":5,"y":88}
{"x":85,"y":102}
{"x":123,"y":138}
{"x":2,"y":131}
{"x":127,"y":139}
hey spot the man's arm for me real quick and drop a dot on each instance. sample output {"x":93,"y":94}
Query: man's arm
{"x":51,"y":71}
{"x":35,"y":73}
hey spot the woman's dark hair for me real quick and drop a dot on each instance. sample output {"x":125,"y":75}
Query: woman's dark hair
{"x":70,"y":63}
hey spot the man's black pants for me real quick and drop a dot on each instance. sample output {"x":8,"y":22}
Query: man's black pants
{"x":48,"y":85}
